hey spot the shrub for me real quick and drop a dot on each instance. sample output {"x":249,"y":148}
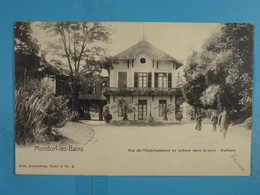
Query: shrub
{"x":30,"y":112}
{"x":107,"y":117}
{"x":152,"y":121}
{"x":74,"y":116}
{"x":57,"y":112}
{"x":37,"y":111}
{"x":178,"y":116}
{"x":248,"y":123}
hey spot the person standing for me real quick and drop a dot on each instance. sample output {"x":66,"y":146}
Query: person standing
{"x":199,"y":119}
{"x":223,"y":122}
{"x":214,"y":120}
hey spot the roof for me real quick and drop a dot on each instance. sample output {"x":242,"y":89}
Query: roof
{"x":144,"y":46}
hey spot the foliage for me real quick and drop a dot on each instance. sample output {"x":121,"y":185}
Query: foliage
{"x":74,"y":116}
{"x":37,"y":111}
{"x":140,"y":91}
{"x":178,"y":116}
{"x":27,"y":62}
{"x":208,"y":97}
{"x":167,"y":110}
{"x":30,"y":111}
{"x":107,"y":117}
{"x":248,"y":123}
{"x":74,"y":43}
{"x":152,"y":121}
{"x":57,"y":112}
{"x":221,"y":74}
{"x":193,"y":91}
{"x":107,"y":63}
{"x":127,"y":105}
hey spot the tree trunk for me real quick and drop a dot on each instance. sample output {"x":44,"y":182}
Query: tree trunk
{"x":101,"y":112}
{"x":75,"y":89}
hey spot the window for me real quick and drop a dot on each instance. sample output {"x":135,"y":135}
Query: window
{"x":122,"y":79}
{"x":142,"y":109}
{"x":142,"y":60}
{"x":162,"y":81}
{"x":143,"y":79}
{"x":162,"y":107}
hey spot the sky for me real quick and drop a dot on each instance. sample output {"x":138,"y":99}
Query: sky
{"x":176,"y":39}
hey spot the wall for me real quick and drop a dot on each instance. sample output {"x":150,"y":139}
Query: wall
{"x":152,"y":106}
{"x":163,"y":66}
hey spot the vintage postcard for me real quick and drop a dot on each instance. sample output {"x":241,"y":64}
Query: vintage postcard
{"x":133,"y":98}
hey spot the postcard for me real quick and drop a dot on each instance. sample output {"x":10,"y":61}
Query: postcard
{"x":133,"y":98}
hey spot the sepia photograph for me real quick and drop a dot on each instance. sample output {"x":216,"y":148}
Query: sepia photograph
{"x":133,"y":98}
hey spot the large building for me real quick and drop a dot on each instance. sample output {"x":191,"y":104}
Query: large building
{"x":145,"y":79}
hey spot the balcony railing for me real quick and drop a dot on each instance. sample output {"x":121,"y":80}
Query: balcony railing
{"x":91,"y":96}
{"x":135,"y":91}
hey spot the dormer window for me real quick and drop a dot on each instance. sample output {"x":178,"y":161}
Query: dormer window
{"x":142,"y":60}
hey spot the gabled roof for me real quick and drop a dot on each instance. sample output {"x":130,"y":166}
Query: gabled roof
{"x":145,"y":46}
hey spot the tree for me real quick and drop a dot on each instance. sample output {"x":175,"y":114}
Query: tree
{"x":27,"y":62}
{"x":169,"y":109}
{"x":74,"y":43}
{"x":126,"y":105}
{"x":195,"y":81}
{"x":226,"y":66}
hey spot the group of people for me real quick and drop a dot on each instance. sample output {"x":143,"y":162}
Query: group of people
{"x":222,"y":120}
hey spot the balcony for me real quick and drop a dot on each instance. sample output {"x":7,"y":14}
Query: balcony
{"x":86,"y":96}
{"x":135,"y":91}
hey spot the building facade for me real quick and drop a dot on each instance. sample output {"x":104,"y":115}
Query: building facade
{"x":145,"y":81}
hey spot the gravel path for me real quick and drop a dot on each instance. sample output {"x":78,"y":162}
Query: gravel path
{"x":108,"y":146}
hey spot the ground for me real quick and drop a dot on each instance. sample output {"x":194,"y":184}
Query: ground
{"x":206,"y":150}
{"x":86,"y":130}
{"x":96,"y":148}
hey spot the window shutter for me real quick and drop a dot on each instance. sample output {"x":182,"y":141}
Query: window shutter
{"x":119,"y":79}
{"x":156,"y":79}
{"x":149,"y":79}
{"x":136,"y":80}
{"x":124,"y":79}
{"x":169,"y":80}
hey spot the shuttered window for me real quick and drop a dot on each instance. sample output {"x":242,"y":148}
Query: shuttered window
{"x":162,"y":80}
{"x":142,"y":79}
{"x":122,"y":79}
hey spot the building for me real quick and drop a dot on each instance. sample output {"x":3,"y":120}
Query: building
{"x":145,"y":78}
{"x":90,"y":94}
{"x":90,"y":98}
